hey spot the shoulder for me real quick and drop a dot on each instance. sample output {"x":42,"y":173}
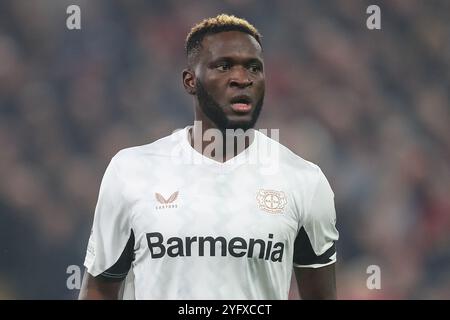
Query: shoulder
{"x":135,"y":160}
{"x":289,"y":162}
{"x":159,"y":149}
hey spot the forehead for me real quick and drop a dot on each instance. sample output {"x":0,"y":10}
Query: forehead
{"x":230,"y":44}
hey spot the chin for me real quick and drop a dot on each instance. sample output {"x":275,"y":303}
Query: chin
{"x":244,"y":125}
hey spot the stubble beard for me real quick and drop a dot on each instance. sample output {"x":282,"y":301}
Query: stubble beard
{"x":216,"y":113}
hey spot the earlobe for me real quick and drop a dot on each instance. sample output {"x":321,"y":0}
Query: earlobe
{"x":189,"y":81}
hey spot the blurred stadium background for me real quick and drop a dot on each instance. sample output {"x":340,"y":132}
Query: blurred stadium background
{"x":370,"y":107}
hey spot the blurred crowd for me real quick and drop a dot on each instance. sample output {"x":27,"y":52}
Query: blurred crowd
{"x":370,"y":107}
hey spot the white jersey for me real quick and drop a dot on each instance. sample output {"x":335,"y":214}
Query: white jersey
{"x":189,"y":227}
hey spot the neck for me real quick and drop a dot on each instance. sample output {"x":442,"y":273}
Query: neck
{"x":215,"y":143}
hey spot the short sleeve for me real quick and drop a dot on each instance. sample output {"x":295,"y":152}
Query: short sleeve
{"x":315,"y":244}
{"x":111,"y":243}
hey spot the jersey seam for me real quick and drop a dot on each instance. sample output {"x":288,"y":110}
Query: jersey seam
{"x":314,"y":264}
{"x":307,"y":217}
{"x":122,"y":186}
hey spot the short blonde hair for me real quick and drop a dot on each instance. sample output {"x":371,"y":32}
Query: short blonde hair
{"x":220,"y":23}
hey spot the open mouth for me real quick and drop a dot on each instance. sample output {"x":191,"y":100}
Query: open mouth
{"x":241,"y":104}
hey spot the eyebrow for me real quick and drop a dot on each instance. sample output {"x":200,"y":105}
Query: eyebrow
{"x":233,"y":60}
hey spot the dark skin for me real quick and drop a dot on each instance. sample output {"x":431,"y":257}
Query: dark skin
{"x":95,"y":288}
{"x":316,"y":284}
{"x":229,"y":64}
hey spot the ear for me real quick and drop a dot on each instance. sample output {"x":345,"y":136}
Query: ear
{"x":189,"y":81}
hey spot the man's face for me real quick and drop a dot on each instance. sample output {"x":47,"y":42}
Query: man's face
{"x":230,"y":79}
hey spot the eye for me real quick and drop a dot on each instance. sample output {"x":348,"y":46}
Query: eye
{"x":254,"y":68}
{"x":223,"y":66}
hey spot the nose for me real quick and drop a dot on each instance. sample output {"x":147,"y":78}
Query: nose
{"x":240,"y":78}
